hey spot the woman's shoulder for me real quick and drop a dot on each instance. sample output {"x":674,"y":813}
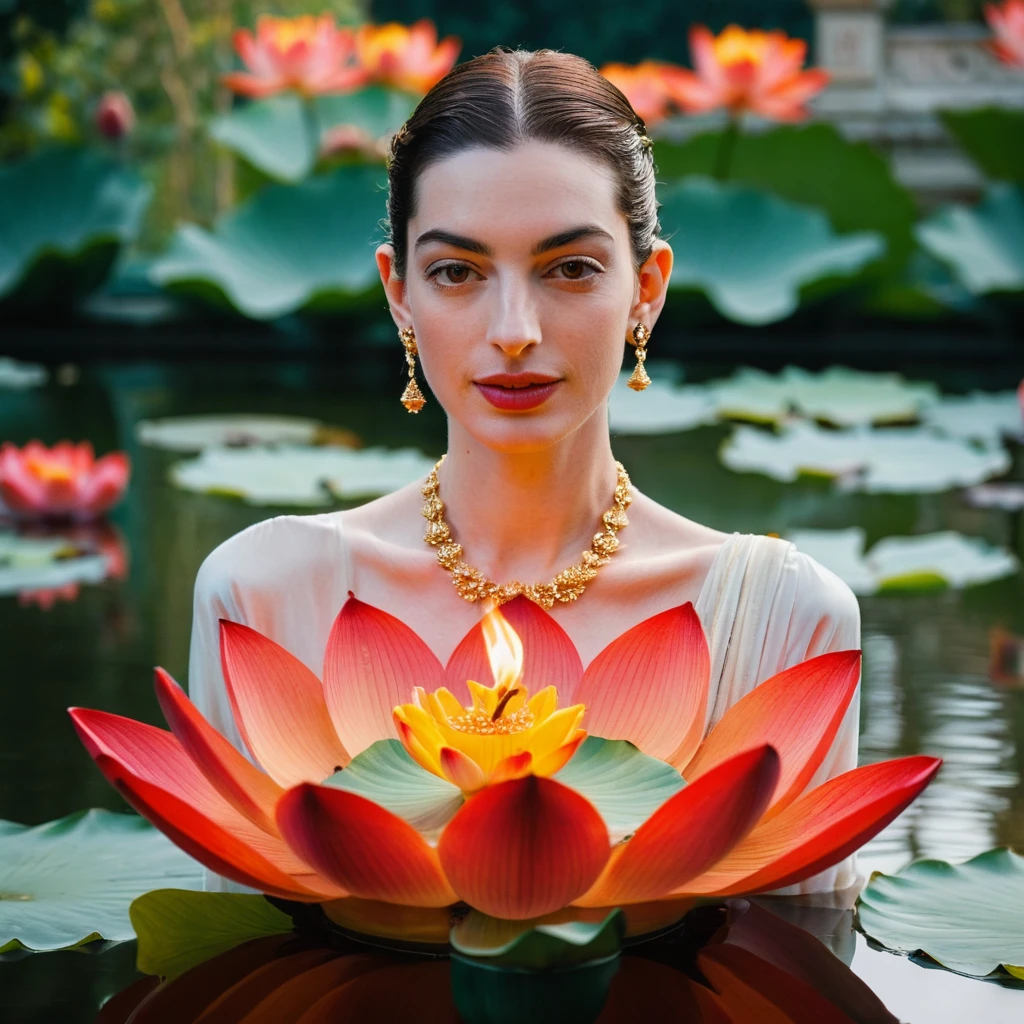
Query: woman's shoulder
{"x":274,"y":554}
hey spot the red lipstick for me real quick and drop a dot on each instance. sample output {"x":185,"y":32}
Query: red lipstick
{"x":517,"y":392}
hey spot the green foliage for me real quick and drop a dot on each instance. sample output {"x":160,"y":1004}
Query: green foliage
{"x":71,"y":881}
{"x":984,"y":245}
{"x":967,"y":917}
{"x":751,"y":253}
{"x":290,"y":247}
{"x":64,"y":215}
{"x":993,"y":137}
{"x":178,"y":929}
{"x":816,"y":166}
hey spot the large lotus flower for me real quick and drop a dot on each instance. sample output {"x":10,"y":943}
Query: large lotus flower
{"x":407,"y":57}
{"x":755,"y":71}
{"x":366,"y":797}
{"x":649,"y":87}
{"x":308,"y":55}
{"x":1007,"y":23}
{"x":65,"y":481}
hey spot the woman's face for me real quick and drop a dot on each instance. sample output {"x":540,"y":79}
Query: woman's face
{"x":521,"y":288}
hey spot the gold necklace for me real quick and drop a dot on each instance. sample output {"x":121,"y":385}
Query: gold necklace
{"x":567,"y":586}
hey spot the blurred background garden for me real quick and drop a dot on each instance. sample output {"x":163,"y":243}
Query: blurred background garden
{"x":193,"y":337}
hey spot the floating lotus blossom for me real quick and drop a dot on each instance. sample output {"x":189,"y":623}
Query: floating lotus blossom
{"x":486,"y":795}
{"x":65,"y":481}
{"x":755,"y":71}
{"x":115,"y":116}
{"x":406,"y":57}
{"x":1007,"y":23}
{"x":648,"y":86}
{"x":308,"y":55}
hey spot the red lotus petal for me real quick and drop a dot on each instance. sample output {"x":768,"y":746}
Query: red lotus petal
{"x":705,"y":61}
{"x":690,"y":832}
{"x":512,"y":767}
{"x":372,"y":664}
{"x":210,"y":843}
{"x":20,"y":491}
{"x":235,"y":778}
{"x":549,"y":656}
{"x":650,"y":686}
{"x":798,"y":711}
{"x":819,"y":829}
{"x":459,"y":769}
{"x":361,"y":846}
{"x":251,"y":86}
{"x":105,"y":485}
{"x":524,"y":848}
{"x":279,"y":708}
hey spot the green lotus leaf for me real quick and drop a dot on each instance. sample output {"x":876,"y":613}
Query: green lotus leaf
{"x":387,"y":775}
{"x":71,"y":881}
{"x":289,"y":247}
{"x":624,"y":784}
{"x":569,"y":937}
{"x":751,"y":253}
{"x":178,"y":929}
{"x":993,"y":137}
{"x":983,"y":244}
{"x":276,"y":135}
{"x":967,"y":917}
{"x":64,"y":214}
{"x":813,"y":164}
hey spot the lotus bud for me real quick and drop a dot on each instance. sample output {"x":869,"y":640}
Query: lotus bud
{"x":115,"y":116}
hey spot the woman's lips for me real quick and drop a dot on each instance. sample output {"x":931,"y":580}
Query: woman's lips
{"x":517,"y":391}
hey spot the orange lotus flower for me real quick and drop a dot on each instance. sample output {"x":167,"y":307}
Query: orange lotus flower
{"x":406,"y":57}
{"x":1007,"y":22}
{"x":754,"y":71}
{"x":65,"y":481}
{"x":307,"y":55}
{"x":645,"y":810}
{"x":649,"y":87}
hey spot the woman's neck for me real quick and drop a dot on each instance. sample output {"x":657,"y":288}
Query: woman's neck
{"x":527,"y":516}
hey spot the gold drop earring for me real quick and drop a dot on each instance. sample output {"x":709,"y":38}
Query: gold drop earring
{"x":412,"y":397}
{"x":639,"y":379}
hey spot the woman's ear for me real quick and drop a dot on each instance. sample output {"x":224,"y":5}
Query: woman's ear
{"x":652,"y":287}
{"x":394,"y":286}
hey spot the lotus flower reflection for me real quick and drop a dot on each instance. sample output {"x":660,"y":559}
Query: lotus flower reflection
{"x":490,"y":796}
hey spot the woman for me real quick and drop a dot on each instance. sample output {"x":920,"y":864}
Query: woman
{"x":523,"y":250}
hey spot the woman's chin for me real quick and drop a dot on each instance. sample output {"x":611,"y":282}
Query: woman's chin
{"x":520,"y":433}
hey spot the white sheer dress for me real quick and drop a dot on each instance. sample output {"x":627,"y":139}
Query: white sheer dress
{"x":764,"y":606}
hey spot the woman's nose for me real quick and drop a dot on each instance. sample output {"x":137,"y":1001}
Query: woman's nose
{"x":515,"y":326}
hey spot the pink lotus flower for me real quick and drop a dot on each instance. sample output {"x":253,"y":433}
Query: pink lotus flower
{"x":65,"y":481}
{"x":1007,"y":23}
{"x":306,"y":55}
{"x":648,"y":86}
{"x":759,"y":72}
{"x":406,"y":57}
{"x":493,"y":796}
{"x":115,"y":116}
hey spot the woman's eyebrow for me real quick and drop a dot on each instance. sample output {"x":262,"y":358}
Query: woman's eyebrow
{"x":551,"y":242}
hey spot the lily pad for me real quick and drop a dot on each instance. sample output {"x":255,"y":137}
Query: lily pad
{"x":983,"y":244}
{"x":387,"y":775}
{"x":838,"y":395}
{"x":967,"y":917}
{"x":64,"y":214}
{"x":300,"y":476}
{"x":983,"y":416}
{"x":71,"y":881}
{"x":178,"y":929}
{"x":195,"y":433}
{"x":946,"y":559}
{"x":290,"y":247}
{"x":993,"y":137}
{"x":896,"y":461}
{"x":571,"y":937}
{"x":624,"y":784}
{"x":281,"y":136}
{"x":18,"y":376}
{"x":663,"y":408}
{"x":750,"y":252}
{"x":45,"y":563}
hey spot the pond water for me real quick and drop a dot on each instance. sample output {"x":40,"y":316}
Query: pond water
{"x":926,"y":687}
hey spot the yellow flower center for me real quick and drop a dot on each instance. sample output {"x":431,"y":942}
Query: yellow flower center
{"x":50,"y":472}
{"x":737,"y":46}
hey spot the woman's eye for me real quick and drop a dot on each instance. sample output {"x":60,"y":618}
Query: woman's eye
{"x":451,"y":274}
{"x":575,"y":270}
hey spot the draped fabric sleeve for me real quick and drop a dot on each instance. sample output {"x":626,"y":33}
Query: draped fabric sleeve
{"x":765,"y":607}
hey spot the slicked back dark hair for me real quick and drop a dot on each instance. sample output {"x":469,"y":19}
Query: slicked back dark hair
{"x":506,"y":97}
